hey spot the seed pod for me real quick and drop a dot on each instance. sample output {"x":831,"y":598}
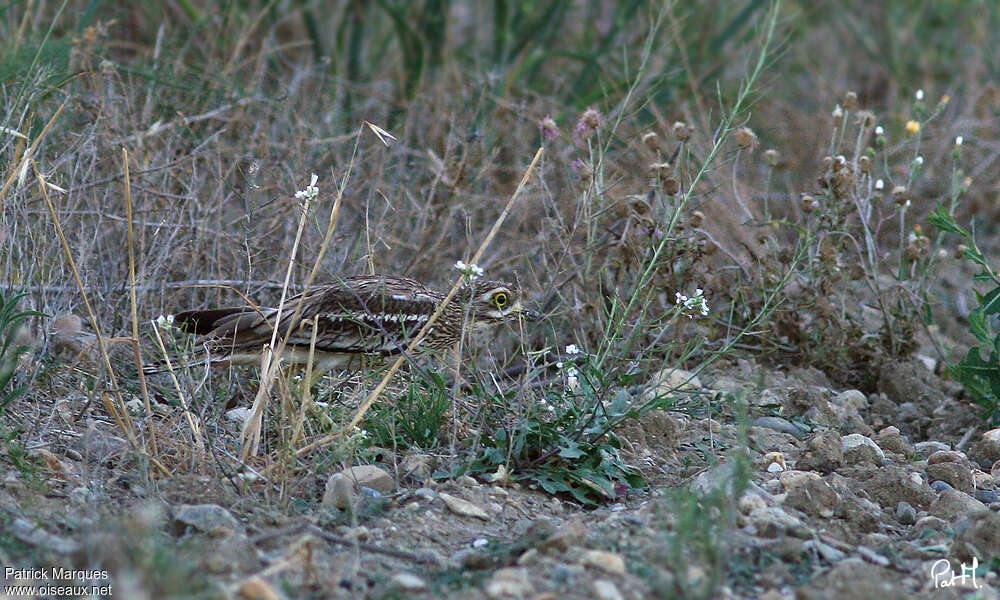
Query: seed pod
{"x":682,"y":131}
{"x":746,"y":138}
{"x":850,"y":100}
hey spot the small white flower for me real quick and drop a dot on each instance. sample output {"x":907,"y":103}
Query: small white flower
{"x":311,"y":190}
{"x":919,"y":160}
{"x":879,"y":130}
{"x":838,"y":112}
{"x":879,"y":185}
{"x":164,"y":322}
{"x":471,"y":271}
{"x":572,"y":349}
{"x":958,"y":141}
{"x":696,"y":304}
{"x":919,"y":95}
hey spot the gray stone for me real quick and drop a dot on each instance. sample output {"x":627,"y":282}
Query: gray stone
{"x":952,"y":504}
{"x":206,"y":518}
{"x":906,"y":514}
{"x":780,"y":425}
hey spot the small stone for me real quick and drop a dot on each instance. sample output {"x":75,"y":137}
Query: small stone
{"x":957,"y":474}
{"x":238,"y":414}
{"x":779,"y":424}
{"x":256,"y":588}
{"x":987,"y":496}
{"x":940,"y":486}
{"x":605,"y":561}
{"x":925,"y":449}
{"x":206,"y":518}
{"x":750,"y":502}
{"x":775,"y":462}
{"x":417,"y":466}
{"x":793,"y":479}
{"x":859,"y":448}
{"x":463,"y":507}
{"x":952,"y":504}
{"x":824,"y":453}
{"x":567,"y":535}
{"x":828,"y":552}
{"x":34,"y":535}
{"x":906,"y":514}
{"x":606,"y":590}
{"x":889,"y":438}
{"x":52,"y":462}
{"x":814,"y":497}
{"x":854,"y":399}
{"x":891,"y":485}
{"x":340,"y":492}
{"x":371,"y":476}
{"x":407,"y":582}
{"x":510,"y":582}
{"x":425,"y":493}
{"x":669,"y":381}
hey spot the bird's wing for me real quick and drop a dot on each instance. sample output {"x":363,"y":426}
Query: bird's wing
{"x":366,"y":314}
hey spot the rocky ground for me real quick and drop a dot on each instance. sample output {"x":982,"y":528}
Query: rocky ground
{"x":806,"y":492}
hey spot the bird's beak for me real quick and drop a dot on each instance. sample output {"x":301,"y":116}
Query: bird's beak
{"x":530,"y":315}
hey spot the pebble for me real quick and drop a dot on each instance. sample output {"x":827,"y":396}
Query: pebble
{"x":779,"y":424}
{"x":906,"y":514}
{"x":206,"y":518}
{"x":940,"y":486}
{"x":463,"y":507}
{"x":925,"y":449}
{"x":256,"y":588}
{"x":606,"y":590}
{"x":855,"y":440}
{"x":371,"y":476}
{"x":425,"y":493}
{"x":604,"y":560}
{"x":987,"y":496}
{"x":510,"y":582}
{"x":407,"y":582}
{"x":339,"y":492}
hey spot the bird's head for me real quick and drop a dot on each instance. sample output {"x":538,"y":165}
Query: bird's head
{"x":492,"y":302}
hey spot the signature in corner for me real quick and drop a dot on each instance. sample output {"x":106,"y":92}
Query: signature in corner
{"x":943,"y":575}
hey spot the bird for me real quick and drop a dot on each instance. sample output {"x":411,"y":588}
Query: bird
{"x":352,"y":319}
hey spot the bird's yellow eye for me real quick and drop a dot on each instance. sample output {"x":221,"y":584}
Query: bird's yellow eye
{"x":500,"y":299}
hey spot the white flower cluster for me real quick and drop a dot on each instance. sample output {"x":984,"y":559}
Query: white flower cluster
{"x":571,"y":372}
{"x":696,"y":304}
{"x":311,"y":190}
{"x":471,"y":271}
{"x":164,"y":322}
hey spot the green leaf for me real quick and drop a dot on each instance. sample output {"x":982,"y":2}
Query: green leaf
{"x":571,"y":450}
{"x":978,"y":326}
{"x":990,"y":303}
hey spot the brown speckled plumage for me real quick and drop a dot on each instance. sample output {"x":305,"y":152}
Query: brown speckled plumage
{"x":367,"y":315}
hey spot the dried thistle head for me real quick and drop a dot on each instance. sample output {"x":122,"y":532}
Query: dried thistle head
{"x":590,"y":122}
{"x":773,"y":158}
{"x":681,"y":130}
{"x":549,"y":129}
{"x":746,"y":138}
{"x":651,"y":140}
{"x":850,"y":100}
